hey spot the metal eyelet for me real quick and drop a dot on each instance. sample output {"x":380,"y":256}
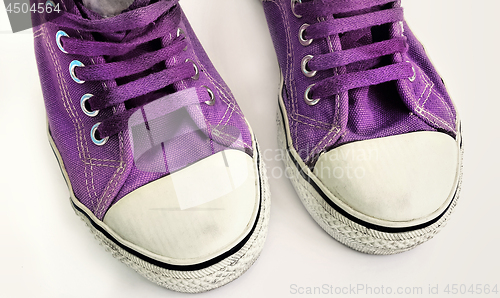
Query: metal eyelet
{"x":197,"y":74}
{"x":60,"y":34}
{"x":180,"y":32}
{"x":72,"y":67}
{"x":307,"y":99}
{"x":308,"y":73}
{"x":303,"y":41}
{"x":414,"y":77}
{"x":210,"y":102}
{"x":94,"y":139}
{"x":293,"y":8}
{"x":83,"y":101}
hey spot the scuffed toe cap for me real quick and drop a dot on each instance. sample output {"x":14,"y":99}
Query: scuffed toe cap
{"x":398,"y":178}
{"x":193,"y":215}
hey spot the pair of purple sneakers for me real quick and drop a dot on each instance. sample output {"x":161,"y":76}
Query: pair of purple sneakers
{"x":164,"y":169}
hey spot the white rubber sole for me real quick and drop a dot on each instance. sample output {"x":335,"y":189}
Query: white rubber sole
{"x":187,"y":281}
{"x":352,"y":234}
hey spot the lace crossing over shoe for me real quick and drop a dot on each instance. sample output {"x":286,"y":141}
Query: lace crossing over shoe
{"x":159,"y":159}
{"x":366,"y":122}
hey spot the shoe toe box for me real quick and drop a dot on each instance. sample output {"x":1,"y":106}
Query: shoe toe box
{"x":399,"y":178}
{"x":193,"y":215}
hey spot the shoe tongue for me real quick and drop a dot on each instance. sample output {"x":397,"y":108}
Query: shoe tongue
{"x":109,"y":8}
{"x":101,"y":9}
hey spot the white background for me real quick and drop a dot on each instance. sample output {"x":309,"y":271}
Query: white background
{"x":46,"y":251}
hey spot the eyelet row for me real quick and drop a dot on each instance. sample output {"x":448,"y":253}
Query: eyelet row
{"x":305,"y":70}
{"x":309,"y":73}
{"x":74,"y":63}
{"x":210,"y":102}
{"x":84,"y":99}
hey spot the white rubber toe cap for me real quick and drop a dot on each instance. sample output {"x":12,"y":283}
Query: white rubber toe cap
{"x":398,"y":178}
{"x":192,"y":215}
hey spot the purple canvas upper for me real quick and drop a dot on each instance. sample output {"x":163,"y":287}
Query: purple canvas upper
{"x":149,"y":91}
{"x":373,"y":78}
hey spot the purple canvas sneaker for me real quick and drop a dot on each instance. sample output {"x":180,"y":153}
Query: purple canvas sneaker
{"x":369,"y":133}
{"x":159,"y":159}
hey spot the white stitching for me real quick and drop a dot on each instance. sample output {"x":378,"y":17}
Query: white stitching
{"x":66,"y":104}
